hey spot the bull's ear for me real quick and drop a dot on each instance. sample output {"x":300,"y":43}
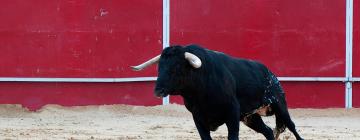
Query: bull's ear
{"x":146,"y":64}
{"x":193,"y":60}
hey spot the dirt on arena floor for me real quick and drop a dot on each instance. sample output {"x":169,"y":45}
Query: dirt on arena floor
{"x":123,"y":122}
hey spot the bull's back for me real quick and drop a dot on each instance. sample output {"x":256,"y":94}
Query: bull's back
{"x":246,"y":73}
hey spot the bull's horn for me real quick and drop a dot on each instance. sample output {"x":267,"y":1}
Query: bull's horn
{"x":146,"y":64}
{"x":193,"y":60}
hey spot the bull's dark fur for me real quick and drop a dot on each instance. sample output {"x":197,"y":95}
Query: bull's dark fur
{"x":223,"y":90}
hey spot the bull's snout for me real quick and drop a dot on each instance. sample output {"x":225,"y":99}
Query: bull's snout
{"x":161,"y":92}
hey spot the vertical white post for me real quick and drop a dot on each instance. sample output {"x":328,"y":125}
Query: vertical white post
{"x":166,"y":34}
{"x":349,"y":50}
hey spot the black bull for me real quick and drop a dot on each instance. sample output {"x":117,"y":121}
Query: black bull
{"x":219,"y":89}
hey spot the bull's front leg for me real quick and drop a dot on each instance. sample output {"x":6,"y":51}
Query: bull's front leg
{"x":203,"y":131}
{"x":233,"y":124}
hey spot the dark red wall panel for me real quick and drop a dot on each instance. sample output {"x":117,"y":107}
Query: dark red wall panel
{"x":292,"y":37}
{"x":356,"y":94}
{"x":309,"y":94}
{"x":82,"y":38}
{"x":356,"y":53}
{"x":35,"y":95}
{"x":356,"y":39}
{"x":78,"y":38}
{"x":315,"y":94}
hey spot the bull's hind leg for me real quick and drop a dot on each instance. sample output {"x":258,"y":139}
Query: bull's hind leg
{"x":283,"y":117}
{"x":280,"y":127}
{"x":256,"y":123}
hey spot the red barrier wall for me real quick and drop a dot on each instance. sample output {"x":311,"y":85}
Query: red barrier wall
{"x":81,"y":38}
{"x":293,"y":38}
{"x":280,"y":33}
{"x":35,"y":95}
{"x":356,"y":39}
{"x":94,"y":38}
{"x":356,"y":53}
{"x":356,"y":94}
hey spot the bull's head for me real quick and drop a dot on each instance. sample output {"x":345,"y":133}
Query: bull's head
{"x":173,"y":69}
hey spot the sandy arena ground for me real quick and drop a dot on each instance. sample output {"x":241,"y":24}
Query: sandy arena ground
{"x":122,"y":122}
